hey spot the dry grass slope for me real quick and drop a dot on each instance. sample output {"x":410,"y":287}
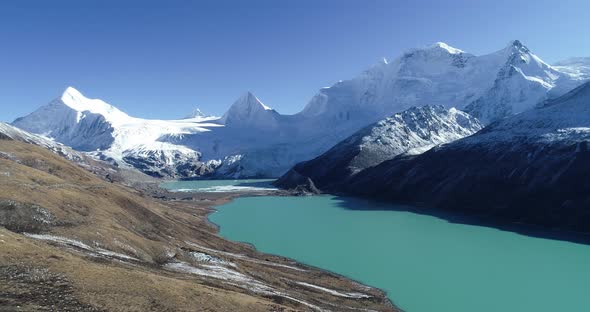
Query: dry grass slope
{"x":72,"y":241}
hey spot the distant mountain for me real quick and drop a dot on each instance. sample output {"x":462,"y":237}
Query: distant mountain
{"x":99,"y":128}
{"x":529,"y":168}
{"x":253,"y":140}
{"x":196,"y":113}
{"x":84,"y":124}
{"x":522,"y":82}
{"x":578,"y":67}
{"x":157,"y":147}
{"x":489,"y":87}
{"x":248,"y":112}
{"x":412,"y":131}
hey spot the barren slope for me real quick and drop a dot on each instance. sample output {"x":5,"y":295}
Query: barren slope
{"x":72,"y":241}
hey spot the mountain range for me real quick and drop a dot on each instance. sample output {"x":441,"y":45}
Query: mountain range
{"x":528,"y":168}
{"x":253,"y":140}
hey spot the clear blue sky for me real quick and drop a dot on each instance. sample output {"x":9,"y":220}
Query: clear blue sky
{"x":160,"y":59}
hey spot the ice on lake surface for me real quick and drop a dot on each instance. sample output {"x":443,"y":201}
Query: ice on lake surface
{"x":220,"y":186}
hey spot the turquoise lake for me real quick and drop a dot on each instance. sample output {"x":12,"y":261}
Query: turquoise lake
{"x":424,"y":263}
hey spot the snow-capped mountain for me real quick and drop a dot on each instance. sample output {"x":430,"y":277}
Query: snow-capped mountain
{"x":162,"y":148}
{"x":521,"y":83}
{"x":489,"y":87}
{"x":412,"y":131}
{"x":196,"y":113}
{"x":250,"y":113}
{"x":528,"y":168}
{"x":253,"y":140}
{"x":84,"y":124}
{"x":94,"y":126}
{"x":91,"y":124}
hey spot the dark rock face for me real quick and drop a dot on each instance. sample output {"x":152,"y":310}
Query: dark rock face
{"x":22,"y":217}
{"x":157,"y":167}
{"x":298,"y":183}
{"x":5,"y":137}
{"x":535,"y":184}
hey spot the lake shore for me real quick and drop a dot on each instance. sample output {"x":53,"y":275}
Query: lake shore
{"x":337,"y":285}
{"x":90,"y":237}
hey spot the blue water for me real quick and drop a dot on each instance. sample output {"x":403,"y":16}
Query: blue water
{"x":423,"y":263}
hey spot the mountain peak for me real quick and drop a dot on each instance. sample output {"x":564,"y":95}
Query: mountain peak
{"x":446,"y":47}
{"x":249,"y":111}
{"x":70,"y":95}
{"x":248,"y":99}
{"x":72,"y":91}
{"x":76,"y":101}
{"x":438,"y":49}
{"x":518,"y":46}
{"x":196,"y":113}
{"x":515,"y":43}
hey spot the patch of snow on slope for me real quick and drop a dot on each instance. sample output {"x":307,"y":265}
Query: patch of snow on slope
{"x":242,"y":257}
{"x":222,"y":273}
{"x":234,"y":278}
{"x":203,"y":257}
{"x":336,"y":293}
{"x":78,"y":244}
